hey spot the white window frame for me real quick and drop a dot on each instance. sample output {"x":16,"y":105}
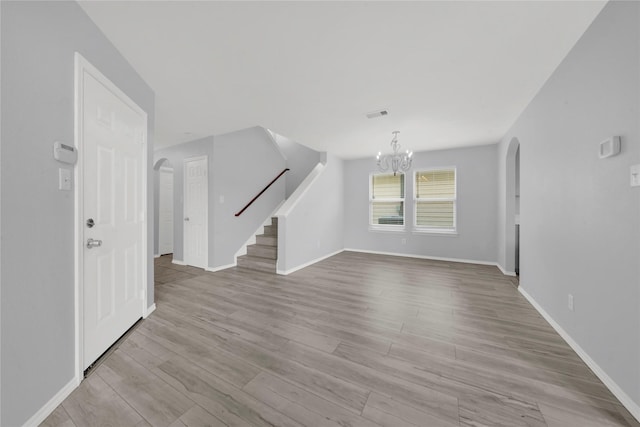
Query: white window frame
{"x":430,"y":230}
{"x":387,"y":227}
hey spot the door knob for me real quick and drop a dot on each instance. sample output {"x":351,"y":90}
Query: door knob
{"x":186,"y":219}
{"x":93,"y":243}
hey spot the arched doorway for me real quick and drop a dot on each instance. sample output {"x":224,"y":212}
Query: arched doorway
{"x":512,"y":208}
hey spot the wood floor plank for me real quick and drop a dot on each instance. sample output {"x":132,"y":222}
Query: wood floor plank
{"x":355,"y":340}
{"x":198,"y":417}
{"x":58,"y":418}
{"x":223,"y":400}
{"x":342,"y":392}
{"x":390,"y":412}
{"x":94,"y":400}
{"x":301,"y":405}
{"x":429,"y":400}
{"x":154,"y":399}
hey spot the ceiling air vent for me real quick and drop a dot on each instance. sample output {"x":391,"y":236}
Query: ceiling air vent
{"x":379,"y":113}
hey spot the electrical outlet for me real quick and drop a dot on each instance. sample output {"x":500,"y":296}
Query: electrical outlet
{"x":570,"y":302}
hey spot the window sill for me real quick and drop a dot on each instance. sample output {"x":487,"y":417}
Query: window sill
{"x":451,"y":233}
{"x":387,"y":229}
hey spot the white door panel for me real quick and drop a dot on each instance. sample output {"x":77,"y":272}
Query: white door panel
{"x":196,"y":212}
{"x":113,"y":147}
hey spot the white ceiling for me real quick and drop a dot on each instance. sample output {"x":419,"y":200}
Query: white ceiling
{"x":449,"y":73}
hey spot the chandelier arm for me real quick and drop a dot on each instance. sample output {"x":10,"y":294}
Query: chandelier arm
{"x":396,"y":161}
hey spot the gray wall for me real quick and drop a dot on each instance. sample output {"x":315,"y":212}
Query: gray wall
{"x":38,"y":44}
{"x":299,"y":158}
{"x":315,"y":226}
{"x":477,"y":179}
{"x":240,"y":165}
{"x":580,"y":219}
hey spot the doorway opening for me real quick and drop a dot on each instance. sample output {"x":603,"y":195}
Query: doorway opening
{"x":164,"y":207}
{"x":512,"y":206}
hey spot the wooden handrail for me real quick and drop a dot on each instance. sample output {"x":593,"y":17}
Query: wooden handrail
{"x":260,"y":193}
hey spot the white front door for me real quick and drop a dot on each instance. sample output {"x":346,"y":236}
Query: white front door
{"x":165,"y":211}
{"x":195,"y":212}
{"x":112,"y":143}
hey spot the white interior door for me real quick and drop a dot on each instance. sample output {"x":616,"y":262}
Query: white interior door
{"x":113,"y":180}
{"x":165,"y":211}
{"x":195,"y":212}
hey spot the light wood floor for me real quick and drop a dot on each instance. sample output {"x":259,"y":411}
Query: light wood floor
{"x":356,"y":340}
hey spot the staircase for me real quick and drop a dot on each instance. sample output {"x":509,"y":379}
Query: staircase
{"x":262,"y":255}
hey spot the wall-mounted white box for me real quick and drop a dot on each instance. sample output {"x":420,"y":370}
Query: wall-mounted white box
{"x":609,"y":147}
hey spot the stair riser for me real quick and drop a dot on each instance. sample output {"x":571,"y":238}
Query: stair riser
{"x":252,"y":264}
{"x":270,"y":252}
{"x":270,"y":230}
{"x":267,"y":240}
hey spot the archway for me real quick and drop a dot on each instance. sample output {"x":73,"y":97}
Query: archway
{"x":512,"y":207}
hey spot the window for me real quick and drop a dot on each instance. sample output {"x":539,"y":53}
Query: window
{"x":386,"y":200}
{"x":435,"y":200}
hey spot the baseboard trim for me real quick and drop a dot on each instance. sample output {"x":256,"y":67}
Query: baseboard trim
{"x":222,"y":267}
{"x":307,"y":264}
{"x":149,"y":310}
{"x":178,"y":262}
{"x":52,"y":404}
{"x":505,"y":272}
{"x":626,"y":401}
{"x":434,"y":258}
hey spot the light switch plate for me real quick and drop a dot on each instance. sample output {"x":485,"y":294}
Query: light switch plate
{"x":634,"y":175}
{"x":64,"y":179}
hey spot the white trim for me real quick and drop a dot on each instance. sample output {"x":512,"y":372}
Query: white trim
{"x":157,"y":255}
{"x":81,"y":65}
{"x":401,"y":200}
{"x":434,"y":258}
{"x":505,"y":272}
{"x":53,"y":403}
{"x":206,"y":208}
{"x":149,"y":310}
{"x":222,"y":267}
{"x":388,"y":228}
{"x":178,"y":262}
{"x":626,"y":401}
{"x":434,"y":232}
{"x":307,"y":264}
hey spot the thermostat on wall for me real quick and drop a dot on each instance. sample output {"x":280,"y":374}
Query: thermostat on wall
{"x":609,"y":147}
{"x":65,"y":153}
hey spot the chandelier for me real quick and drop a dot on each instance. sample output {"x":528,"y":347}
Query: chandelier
{"x":396,"y":161}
